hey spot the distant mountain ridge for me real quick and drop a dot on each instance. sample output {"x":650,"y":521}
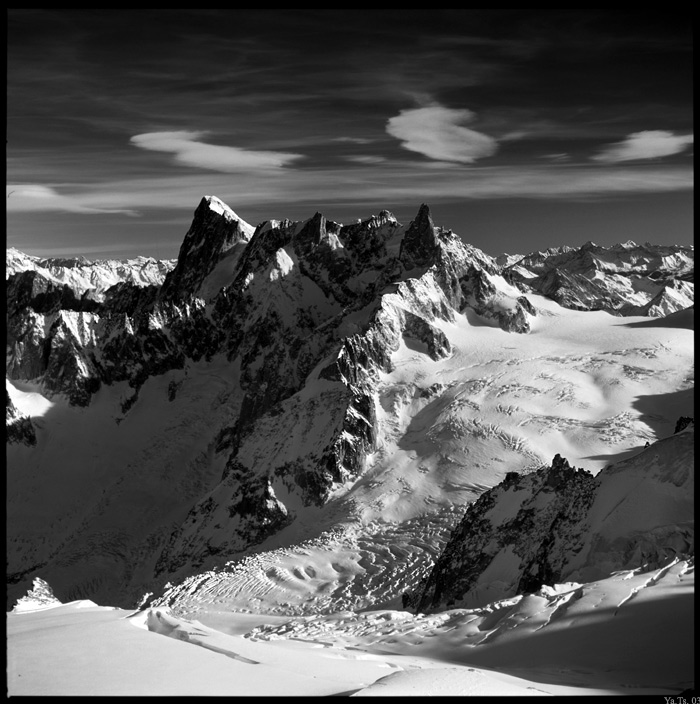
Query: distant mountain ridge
{"x":624,"y":279}
{"x":83,"y":275}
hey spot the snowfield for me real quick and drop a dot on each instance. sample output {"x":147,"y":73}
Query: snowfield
{"x":629,"y":634}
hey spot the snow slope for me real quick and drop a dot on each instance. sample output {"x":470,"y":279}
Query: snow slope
{"x":117,"y":481}
{"x":629,"y":634}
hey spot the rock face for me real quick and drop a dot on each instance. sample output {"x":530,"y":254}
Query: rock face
{"x":563,"y":524}
{"x":512,"y":539}
{"x":216,"y":233}
{"x":682,"y":423}
{"x":624,"y":279}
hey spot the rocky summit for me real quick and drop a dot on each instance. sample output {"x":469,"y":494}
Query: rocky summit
{"x":290,"y":381}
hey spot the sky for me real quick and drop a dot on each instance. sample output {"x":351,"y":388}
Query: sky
{"x":522,"y":129}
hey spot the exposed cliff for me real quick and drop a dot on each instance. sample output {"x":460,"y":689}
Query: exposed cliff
{"x":562,"y":524}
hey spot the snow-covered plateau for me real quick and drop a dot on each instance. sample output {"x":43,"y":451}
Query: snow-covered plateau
{"x":309,"y":458}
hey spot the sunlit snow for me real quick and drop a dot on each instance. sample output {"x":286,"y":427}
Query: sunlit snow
{"x":629,"y":634}
{"x":28,"y":399}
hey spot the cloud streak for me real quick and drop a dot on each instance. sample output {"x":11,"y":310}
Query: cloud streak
{"x":189,"y":150}
{"x":649,"y":144}
{"x":365,"y":159}
{"x":30,"y":198}
{"x":384,"y":183}
{"x":438,"y":133}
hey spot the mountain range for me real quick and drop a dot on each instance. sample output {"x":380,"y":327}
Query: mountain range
{"x":306,"y":417}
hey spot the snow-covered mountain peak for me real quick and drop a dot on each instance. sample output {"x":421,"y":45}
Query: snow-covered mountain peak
{"x":213,"y":207}
{"x":385,"y":216}
{"x":78,"y":277}
{"x":216,"y":234}
{"x":16,"y":261}
{"x":218,"y":206}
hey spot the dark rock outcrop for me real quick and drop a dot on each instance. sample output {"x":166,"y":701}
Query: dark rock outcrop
{"x":524,"y":522}
{"x":560,"y":523}
{"x":682,"y":423}
{"x":420,"y":246}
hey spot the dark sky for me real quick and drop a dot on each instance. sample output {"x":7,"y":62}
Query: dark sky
{"x":522,"y":129}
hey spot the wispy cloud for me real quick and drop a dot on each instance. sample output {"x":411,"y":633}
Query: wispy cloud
{"x":189,"y":150}
{"x":36,"y":197}
{"x":166,"y":203}
{"x":352,"y":140}
{"x":438,"y":133}
{"x":365,"y":159}
{"x":649,"y":144}
{"x":559,"y":157}
{"x":383,"y":183}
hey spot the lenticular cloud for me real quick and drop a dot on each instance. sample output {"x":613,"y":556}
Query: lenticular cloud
{"x":437,"y":132}
{"x":34,"y":197}
{"x":649,"y":144}
{"x":187,"y":148}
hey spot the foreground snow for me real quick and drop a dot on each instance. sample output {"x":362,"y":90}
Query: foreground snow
{"x":631,"y":633}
